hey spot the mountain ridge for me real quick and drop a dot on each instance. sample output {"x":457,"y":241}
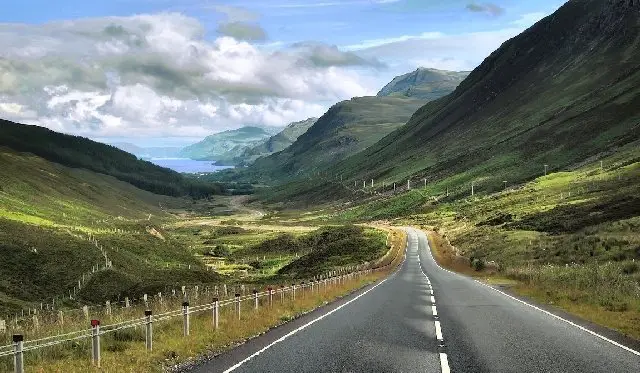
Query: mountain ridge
{"x":424,"y":83}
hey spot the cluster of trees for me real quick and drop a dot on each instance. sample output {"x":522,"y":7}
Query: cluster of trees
{"x":80,"y":152}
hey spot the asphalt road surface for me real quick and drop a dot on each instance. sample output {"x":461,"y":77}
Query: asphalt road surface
{"x":423,"y":318}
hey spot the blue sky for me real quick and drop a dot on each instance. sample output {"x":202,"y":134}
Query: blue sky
{"x":166,"y":72}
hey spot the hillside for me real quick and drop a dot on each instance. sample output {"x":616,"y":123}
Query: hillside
{"x":564,"y":91}
{"x":345,"y":129}
{"x":48,"y":211}
{"x":275,"y":143}
{"x":79,"y":152}
{"x":223,"y":147}
{"x":424,"y":83}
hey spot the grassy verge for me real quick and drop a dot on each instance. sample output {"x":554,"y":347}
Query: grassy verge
{"x":125,"y":351}
{"x":606,"y":294}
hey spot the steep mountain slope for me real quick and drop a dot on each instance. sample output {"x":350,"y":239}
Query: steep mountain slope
{"x":79,"y":152}
{"x":48,"y":211}
{"x":565,"y":90}
{"x":424,"y":83}
{"x":347,"y":128}
{"x":276,"y":143}
{"x":223,"y":147}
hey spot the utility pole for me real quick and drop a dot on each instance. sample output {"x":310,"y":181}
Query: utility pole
{"x":545,"y":169}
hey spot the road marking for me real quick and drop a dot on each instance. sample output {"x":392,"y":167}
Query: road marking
{"x":239,"y":364}
{"x":433,"y":299}
{"x":434,"y":311}
{"x":444,"y":363}
{"x":438,"y":330}
{"x":565,"y":320}
{"x":535,"y":307}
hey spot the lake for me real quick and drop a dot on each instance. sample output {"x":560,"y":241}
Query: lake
{"x":188,"y":165}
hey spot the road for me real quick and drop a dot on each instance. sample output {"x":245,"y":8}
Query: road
{"x":423,"y":318}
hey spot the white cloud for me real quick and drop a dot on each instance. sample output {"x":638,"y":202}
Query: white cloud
{"x":463,"y":51}
{"x":527,"y":20}
{"x":157,"y":75}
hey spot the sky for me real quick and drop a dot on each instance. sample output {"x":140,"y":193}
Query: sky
{"x":168,"y":73}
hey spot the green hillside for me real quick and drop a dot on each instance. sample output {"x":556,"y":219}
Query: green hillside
{"x":48,"y":211}
{"x":79,"y":152}
{"x":223,"y":147}
{"x":347,"y":128}
{"x":424,"y":83}
{"x":275,"y":143}
{"x":564,"y":91}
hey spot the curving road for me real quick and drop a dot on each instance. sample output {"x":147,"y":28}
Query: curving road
{"x":426,"y":319}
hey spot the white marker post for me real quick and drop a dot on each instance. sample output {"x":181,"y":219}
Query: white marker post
{"x":149,"y":330}
{"x":95,"y":342}
{"x":185,"y":319}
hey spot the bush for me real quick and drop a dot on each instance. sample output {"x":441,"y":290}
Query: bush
{"x":478,"y":264}
{"x":630,"y":268}
{"x":222,"y":250}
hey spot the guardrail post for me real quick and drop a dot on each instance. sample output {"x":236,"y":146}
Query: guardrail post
{"x":293,"y":292}
{"x":18,"y":356}
{"x":149,"y":333}
{"x":215,"y":313}
{"x":302,"y":289}
{"x":95,"y":342}
{"x":185,"y":318}
{"x":270,"y":297}
{"x":238,"y":305}
{"x":282,"y":294}
{"x":255,"y":299}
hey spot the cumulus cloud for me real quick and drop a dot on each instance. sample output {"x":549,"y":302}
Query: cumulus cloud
{"x":158,"y":75}
{"x":488,"y":8}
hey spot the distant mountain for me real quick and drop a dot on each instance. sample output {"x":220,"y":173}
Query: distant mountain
{"x":276,"y":143}
{"x":223,"y":147}
{"x":80,"y":152}
{"x":151,"y":152}
{"x":424,"y":83}
{"x":564,"y":91}
{"x":347,"y":128}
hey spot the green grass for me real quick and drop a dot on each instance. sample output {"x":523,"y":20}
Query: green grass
{"x":47,"y":211}
{"x":568,"y":239}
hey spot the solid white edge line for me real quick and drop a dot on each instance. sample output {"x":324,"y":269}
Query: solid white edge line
{"x":438,"y":330}
{"x":434,"y":311}
{"x":565,"y":320}
{"x":240,"y":363}
{"x":535,"y":307}
{"x":444,"y":363}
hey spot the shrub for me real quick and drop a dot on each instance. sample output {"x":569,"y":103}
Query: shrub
{"x":222,"y":250}
{"x":478,"y":264}
{"x":630,"y":268}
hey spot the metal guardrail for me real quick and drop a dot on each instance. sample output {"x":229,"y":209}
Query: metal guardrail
{"x":20,"y":346}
